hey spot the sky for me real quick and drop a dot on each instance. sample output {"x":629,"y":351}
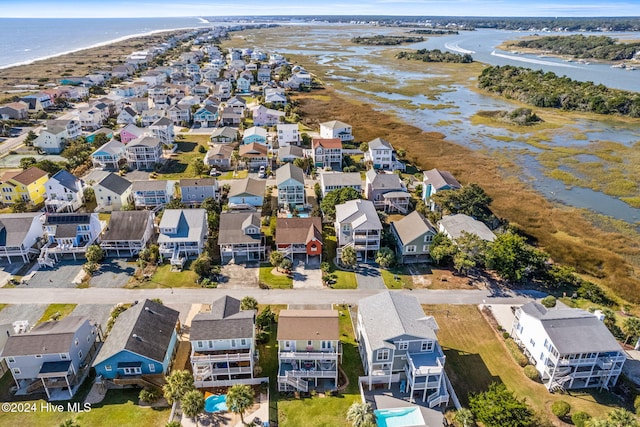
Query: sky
{"x":171,"y":8}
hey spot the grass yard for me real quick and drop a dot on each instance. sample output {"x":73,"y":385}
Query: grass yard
{"x":234,"y":175}
{"x":61,"y":310}
{"x":165,"y":278}
{"x":343,"y":279}
{"x":274,"y":280}
{"x":477,"y":356}
{"x":180,"y":164}
{"x":404,"y":279}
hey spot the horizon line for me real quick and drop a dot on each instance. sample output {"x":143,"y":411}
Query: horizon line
{"x":337,"y":15}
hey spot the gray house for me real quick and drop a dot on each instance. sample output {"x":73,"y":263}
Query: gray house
{"x":398,"y":343}
{"x":194,"y":191}
{"x":19,"y":235}
{"x":52,"y":356}
{"x":454,"y":227}
{"x":414,"y":235}
{"x":330,"y":181}
{"x":219,"y":156}
{"x":290,"y":182}
{"x":183,"y":233}
{"x":127,"y":233}
{"x":240,"y":237}
{"x":358,"y":225}
{"x":387,"y":192}
{"x":435,"y":180}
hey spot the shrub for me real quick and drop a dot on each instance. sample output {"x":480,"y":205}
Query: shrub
{"x":516,"y":353}
{"x":580,"y":418}
{"x":531,"y":373}
{"x":149,"y":395}
{"x":636,"y":403}
{"x":560,"y":408}
{"x":505,"y":335}
{"x":549,"y":301}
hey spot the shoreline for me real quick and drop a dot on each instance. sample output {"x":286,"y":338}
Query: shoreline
{"x":96,"y":45}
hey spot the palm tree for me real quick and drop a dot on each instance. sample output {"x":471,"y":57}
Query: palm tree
{"x":464,"y":418}
{"x":620,"y":417}
{"x":192,"y":404}
{"x":240,"y":397}
{"x":177,"y":385}
{"x":360,"y":415}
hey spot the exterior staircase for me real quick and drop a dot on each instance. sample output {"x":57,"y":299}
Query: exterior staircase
{"x":439,"y":397}
{"x":44,"y":260}
{"x":297,"y":383}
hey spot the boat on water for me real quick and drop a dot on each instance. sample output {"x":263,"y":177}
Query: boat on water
{"x":621,"y":65}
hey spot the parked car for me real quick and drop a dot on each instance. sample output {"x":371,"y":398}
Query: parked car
{"x":262,"y":173}
{"x":214,"y":172}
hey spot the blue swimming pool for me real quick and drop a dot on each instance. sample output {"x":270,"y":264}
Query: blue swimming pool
{"x":300,"y":215}
{"x":398,"y":417}
{"x":216,"y":403}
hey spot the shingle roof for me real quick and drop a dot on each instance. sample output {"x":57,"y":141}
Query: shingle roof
{"x":290,"y":151}
{"x":440,"y":179}
{"x":361,"y":214}
{"x":133,"y":129}
{"x":333,"y":124}
{"x":253,"y":149}
{"x":330,"y":179}
{"x":308,"y":325}
{"x":411,"y":227}
{"x":255,"y":130}
{"x":232,"y":226}
{"x":145,"y":329}
{"x":150,"y":185}
{"x":115,"y":183}
{"x":287,"y":172}
{"x":456,"y":224}
{"x":189,"y":224}
{"x":112,"y":147}
{"x":298,"y":230}
{"x":225,"y":132}
{"x":220,"y":150}
{"x":379,"y":143}
{"x":66,"y":179}
{"x":250,"y":186}
{"x":197,"y":182}
{"x":384,"y":181}
{"x":224,"y":321}
{"x":127,"y":225}
{"x":145,"y":141}
{"x":14,"y":227}
{"x":573,"y":331}
{"x":30,"y":175}
{"x":389,"y":315}
{"x":51,"y":337}
{"x":163,"y":121}
{"x":326,"y":143}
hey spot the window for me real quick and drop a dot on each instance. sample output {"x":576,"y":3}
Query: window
{"x":200,"y":345}
{"x":233,"y":343}
{"x":11,"y":360}
{"x":152,"y":367}
{"x":210,"y":344}
{"x":403,"y":345}
{"x":428,"y":238}
{"x":243,"y":342}
{"x":107,"y":368}
{"x":425,"y":248}
{"x":16,"y":371}
{"x":426,"y":346}
{"x":532,"y":342}
{"x":411,"y":248}
{"x":383,"y":354}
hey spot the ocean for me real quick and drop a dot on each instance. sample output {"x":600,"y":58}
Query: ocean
{"x":27,"y":40}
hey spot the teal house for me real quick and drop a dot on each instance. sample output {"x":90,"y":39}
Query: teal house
{"x":140,"y":346}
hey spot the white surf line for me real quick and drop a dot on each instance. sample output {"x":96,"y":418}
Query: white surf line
{"x":456,"y":48}
{"x":531,"y":60}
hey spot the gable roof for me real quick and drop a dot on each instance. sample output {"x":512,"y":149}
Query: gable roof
{"x":144,"y":141}
{"x":255,"y":130}
{"x":253,"y":149}
{"x":233,"y":224}
{"x":384,"y":181}
{"x":330,"y":179}
{"x":66,"y":179}
{"x":115,"y":183}
{"x":225,"y":132}
{"x":198,"y":182}
{"x":573,"y":330}
{"x":189,"y":224}
{"x":390,"y":315}
{"x":220,"y":150}
{"x":440,"y":179}
{"x":412,"y":227}
{"x":127,"y":225}
{"x":456,"y":224}
{"x":308,"y":325}
{"x":298,"y":230}
{"x":290,"y":151}
{"x":287,"y":172}
{"x":326,"y":143}
{"x":55,"y":336}
{"x":249,"y":186}
{"x":14,"y":227}
{"x":130,"y":111}
{"x":163,"y":121}
{"x":150,"y":185}
{"x":334,"y":124}
{"x":111,"y":147}
{"x":133,"y":129}
{"x":29,"y":176}
{"x":379,"y":143}
{"x":145,"y":329}
{"x":224,"y":321}
{"x":361,"y":214}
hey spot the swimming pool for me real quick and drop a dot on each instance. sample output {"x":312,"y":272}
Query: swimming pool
{"x":398,"y":417}
{"x":216,"y":403}
{"x":300,"y":215}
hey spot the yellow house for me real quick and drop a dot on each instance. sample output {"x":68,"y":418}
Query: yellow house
{"x":27,"y":185}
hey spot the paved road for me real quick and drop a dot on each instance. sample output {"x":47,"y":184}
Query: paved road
{"x":273,"y":296}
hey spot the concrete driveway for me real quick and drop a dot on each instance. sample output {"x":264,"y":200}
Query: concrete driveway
{"x":95,"y":312}
{"x":29,"y":312}
{"x":239,"y":276}
{"x":307,"y":276}
{"x":368,"y":277}
{"x":62,"y":275}
{"x":113,"y":273}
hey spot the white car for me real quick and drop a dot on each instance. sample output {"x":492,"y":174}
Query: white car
{"x":214,"y":172}
{"x":262,"y":173}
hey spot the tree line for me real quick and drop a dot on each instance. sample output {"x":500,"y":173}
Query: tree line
{"x":580,"y":46}
{"x":546,"y":89}
{"x":435,"y":55}
{"x":381,"y":40}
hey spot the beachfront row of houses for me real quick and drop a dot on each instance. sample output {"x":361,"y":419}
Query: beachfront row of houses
{"x":397,"y":344}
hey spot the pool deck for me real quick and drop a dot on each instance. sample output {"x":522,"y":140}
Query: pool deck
{"x":228,"y":419}
{"x":389,"y":399}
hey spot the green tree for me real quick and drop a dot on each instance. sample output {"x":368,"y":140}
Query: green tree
{"x":248,"y":303}
{"x":19,"y":206}
{"x":265,"y":319}
{"x":89,"y":195}
{"x":560,"y":408}
{"x":31,"y":136}
{"x":513,"y":259}
{"x":385,"y":257}
{"x":192,"y":403}
{"x":175,"y":204}
{"x":462,"y":262}
{"x":325,"y":267}
{"x":27,"y":162}
{"x":94,"y":254}
{"x":240,"y":397}
{"x":177,"y":384}
{"x":619,"y":417}
{"x":442,"y":249}
{"x":199,"y":168}
{"x":275,"y":258}
{"x":173,"y":424}
{"x":77,"y":152}
{"x":336,"y":197}
{"x":100,"y":139}
{"x":50,"y":167}
{"x":348,"y":256}
{"x":469,"y":200}
{"x":631,"y":328}
{"x":286,"y":264}
{"x":548,"y":301}
{"x":580,"y":418}
{"x":464,"y":418}
{"x":202,"y":265}
{"x":498,"y":407}
{"x":360,"y":415}
{"x":149,"y":395}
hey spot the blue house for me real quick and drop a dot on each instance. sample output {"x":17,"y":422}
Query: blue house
{"x":141,"y":344}
{"x":206,"y":117}
{"x":255,"y":134}
{"x":246,"y":191}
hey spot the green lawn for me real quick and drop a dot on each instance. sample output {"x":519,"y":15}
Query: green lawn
{"x":62,"y":310}
{"x":344,"y":279}
{"x":179,"y":165}
{"x":274,"y":281}
{"x":165,"y":278}
{"x":477,"y":356}
{"x":405,"y":281}
{"x":234,"y":175}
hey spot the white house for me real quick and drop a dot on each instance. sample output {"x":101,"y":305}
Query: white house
{"x":183,"y":234}
{"x":19,"y":235}
{"x":64,"y":193}
{"x":358,"y":225}
{"x":336,"y":129}
{"x":383,"y":156}
{"x":454,"y":227}
{"x":112,"y":192}
{"x":290,"y":183}
{"x":52,"y":139}
{"x":287,"y":134}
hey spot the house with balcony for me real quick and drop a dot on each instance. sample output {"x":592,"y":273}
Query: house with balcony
{"x":53,"y":356}
{"x":240,"y":237}
{"x":382,"y":155}
{"x":54,"y":137}
{"x":254,"y":155}
{"x":255,"y":134}
{"x":37,"y":101}
{"x":435,"y":180}
{"x":20,"y":234}
{"x":143,"y":153}
{"x":131,"y":132}
{"x":275,"y":96}
{"x":358,"y":225}
{"x":332,"y":180}
{"x":183,"y":234}
{"x":414,"y":235}
{"x":163,"y":130}
{"x":266,"y":116}
{"x":570,"y":348}
{"x":180,"y":114}
{"x":454,"y":227}
{"x":230,"y":117}
{"x":219,"y":156}
{"x":68,"y":233}
{"x":287,"y":134}
{"x":14,"y":111}
{"x":398,"y":344}
{"x":109,"y":156}
{"x":64,"y":193}
{"x":336,"y":129}
{"x":128,"y":116}
{"x":289,"y":154}
{"x":206,"y":117}
{"x":24,"y":185}
{"x":247,"y":192}
{"x":112,"y":192}
{"x":291,"y":191}
{"x":148,"y":117}
{"x":224,"y":135}
{"x":152,"y":194}
{"x":327,"y":153}
{"x":309,"y":350}
{"x":140,"y":347}
{"x":127,"y":233}
{"x":223,"y":344}
{"x":264,"y":74}
{"x":300,"y":236}
{"x":387,"y":192}
{"x":194,"y":191}
{"x":238,"y":104}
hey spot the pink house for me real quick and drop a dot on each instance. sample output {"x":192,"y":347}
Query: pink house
{"x":130,"y":132}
